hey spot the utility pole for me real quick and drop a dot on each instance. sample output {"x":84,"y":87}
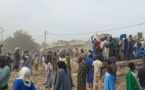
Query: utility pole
{"x":1,"y":31}
{"x":45,"y":39}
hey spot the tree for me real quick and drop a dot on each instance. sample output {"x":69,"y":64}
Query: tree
{"x":20,"y":39}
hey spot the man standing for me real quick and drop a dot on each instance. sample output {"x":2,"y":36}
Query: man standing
{"x":49,"y":56}
{"x":93,"y":44}
{"x":131,"y":44}
{"x":89,"y":63}
{"x":141,"y":76}
{"x":54,"y":63}
{"x":126,"y":49}
{"x":83,"y":54}
{"x":97,"y":45}
{"x":36,"y":62}
{"x":81,"y":84}
{"x":4,"y":74}
{"x":48,"y":68}
{"x":131,"y":79}
{"x":115,"y":47}
{"x":121,"y":48}
{"x":111,"y":46}
{"x":97,"y":73}
{"x":106,"y":48}
{"x":17,"y":59}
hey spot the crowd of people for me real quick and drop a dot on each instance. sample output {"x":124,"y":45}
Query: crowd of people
{"x":124,"y":48}
{"x":91,"y":63}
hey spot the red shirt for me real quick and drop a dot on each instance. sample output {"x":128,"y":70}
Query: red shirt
{"x":97,"y":44}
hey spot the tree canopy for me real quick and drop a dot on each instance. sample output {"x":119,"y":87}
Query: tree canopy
{"x":20,"y":39}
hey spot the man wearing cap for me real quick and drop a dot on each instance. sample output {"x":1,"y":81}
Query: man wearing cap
{"x":4,"y":74}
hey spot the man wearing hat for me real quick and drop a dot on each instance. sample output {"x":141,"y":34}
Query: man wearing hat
{"x":4,"y":74}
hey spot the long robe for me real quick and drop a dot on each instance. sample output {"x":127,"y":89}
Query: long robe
{"x":16,"y":60}
{"x":89,"y":62}
{"x":109,"y":81}
{"x":131,"y":82}
{"x":106,"y":49}
{"x":126,"y":49}
{"x":63,"y":80}
{"x":81,"y":76}
{"x":115,"y":47}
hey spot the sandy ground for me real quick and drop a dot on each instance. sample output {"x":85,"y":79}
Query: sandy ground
{"x":39,"y":78}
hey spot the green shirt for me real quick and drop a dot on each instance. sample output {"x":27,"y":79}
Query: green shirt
{"x":131,"y":82}
{"x":4,"y":76}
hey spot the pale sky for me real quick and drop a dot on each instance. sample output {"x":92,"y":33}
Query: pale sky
{"x":70,"y":17}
